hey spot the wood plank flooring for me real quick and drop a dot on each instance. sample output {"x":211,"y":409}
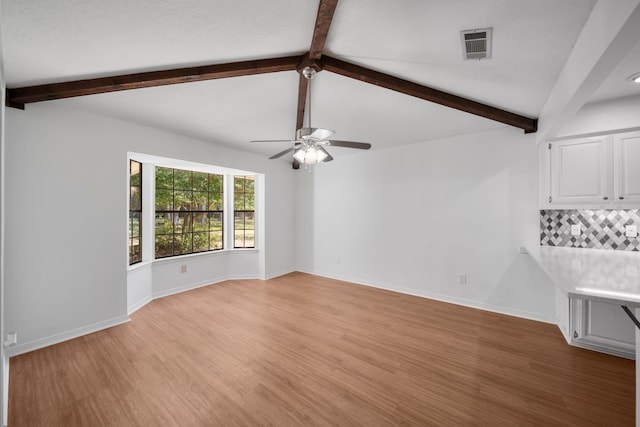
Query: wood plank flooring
{"x":303,"y":350}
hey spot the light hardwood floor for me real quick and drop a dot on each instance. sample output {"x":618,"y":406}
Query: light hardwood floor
{"x":304,"y":350}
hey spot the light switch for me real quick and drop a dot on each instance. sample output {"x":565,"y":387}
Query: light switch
{"x":575,"y":230}
{"x":631,"y":231}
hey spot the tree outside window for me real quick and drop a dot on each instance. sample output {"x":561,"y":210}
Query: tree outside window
{"x":244,"y":223}
{"x":189,"y":212}
{"x":135,"y":212}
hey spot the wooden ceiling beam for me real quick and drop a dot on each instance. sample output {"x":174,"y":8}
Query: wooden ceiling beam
{"x":326,"y":10}
{"x":19,"y":96}
{"x":311,"y":59}
{"x":387,"y":81}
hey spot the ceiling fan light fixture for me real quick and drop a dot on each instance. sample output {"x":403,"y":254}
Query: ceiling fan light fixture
{"x":635,"y":78}
{"x":308,"y":72}
{"x":309,"y":155}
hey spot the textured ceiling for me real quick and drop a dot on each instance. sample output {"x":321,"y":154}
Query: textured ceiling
{"x":418,"y":40}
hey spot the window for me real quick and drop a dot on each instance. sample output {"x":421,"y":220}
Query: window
{"x":189,"y":212}
{"x":135,"y":212}
{"x":244,"y":223}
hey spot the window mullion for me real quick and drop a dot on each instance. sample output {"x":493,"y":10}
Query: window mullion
{"x":228,"y":212}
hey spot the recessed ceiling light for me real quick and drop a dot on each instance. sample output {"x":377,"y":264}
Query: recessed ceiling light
{"x":634,"y":78}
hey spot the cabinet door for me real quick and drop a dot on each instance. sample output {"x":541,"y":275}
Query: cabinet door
{"x":626,"y":151}
{"x":579,"y":170}
{"x":602,"y":327}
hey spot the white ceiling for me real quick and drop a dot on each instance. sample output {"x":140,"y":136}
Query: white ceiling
{"x":48,"y":41}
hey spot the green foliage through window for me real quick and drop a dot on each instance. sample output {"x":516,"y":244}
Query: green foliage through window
{"x":244,"y":221}
{"x":189,"y":212}
{"x":135,"y":212}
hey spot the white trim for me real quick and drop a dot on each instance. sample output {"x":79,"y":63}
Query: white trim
{"x":248,"y":277}
{"x":279,"y":273}
{"x":138,"y":305}
{"x":443,"y":298}
{"x":590,"y":134}
{"x":167,"y":162}
{"x":95,"y":327}
{"x":148,"y":209}
{"x":139,"y":265}
{"x":168,"y":259}
{"x":200,"y":254}
{"x":184,"y":288}
{"x":188,"y":287}
{"x":64,"y":336}
{"x":603,"y":345}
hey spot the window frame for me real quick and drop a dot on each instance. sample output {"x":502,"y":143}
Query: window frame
{"x":244,"y":211}
{"x":149,"y":163}
{"x":177,"y":213}
{"x":133,"y":211}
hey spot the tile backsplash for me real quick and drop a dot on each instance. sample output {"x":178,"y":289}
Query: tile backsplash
{"x":600,"y":228}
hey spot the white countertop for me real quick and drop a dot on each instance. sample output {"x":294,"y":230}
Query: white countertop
{"x":594,"y":274}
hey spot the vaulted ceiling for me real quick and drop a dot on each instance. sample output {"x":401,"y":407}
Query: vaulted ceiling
{"x":417,"y":41}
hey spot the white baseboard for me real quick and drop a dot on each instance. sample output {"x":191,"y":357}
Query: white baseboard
{"x":187,"y":287}
{"x":213,"y":281}
{"x":607,"y":346}
{"x":278,"y":274}
{"x":75,"y":333}
{"x":245,"y":277}
{"x":138,"y":305}
{"x":444,"y":298}
{"x":64,"y":336}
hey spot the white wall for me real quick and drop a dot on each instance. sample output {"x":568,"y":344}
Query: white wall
{"x":4,"y":370}
{"x":602,"y":117}
{"x":66,"y":215}
{"x":414,"y":218}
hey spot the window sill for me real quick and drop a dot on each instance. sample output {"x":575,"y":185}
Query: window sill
{"x":139,"y":265}
{"x":202,"y":254}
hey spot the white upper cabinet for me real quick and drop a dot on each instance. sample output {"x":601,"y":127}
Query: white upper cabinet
{"x":626,"y":156}
{"x":593,"y":172}
{"x":580,"y":170}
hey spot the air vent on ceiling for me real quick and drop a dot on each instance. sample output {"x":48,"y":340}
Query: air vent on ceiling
{"x":476,"y":44}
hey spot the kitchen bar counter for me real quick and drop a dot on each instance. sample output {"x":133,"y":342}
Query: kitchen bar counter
{"x":593,"y":274}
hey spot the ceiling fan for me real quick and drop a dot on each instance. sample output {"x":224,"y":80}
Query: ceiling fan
{"x":309,"y":145}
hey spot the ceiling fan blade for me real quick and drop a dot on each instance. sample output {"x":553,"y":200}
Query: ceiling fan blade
{"x":273,"y":140}
{"x":329,"y":156}
{"x":350,"y":144}
{"x":320,"y":134}
{"x":282,"y":153}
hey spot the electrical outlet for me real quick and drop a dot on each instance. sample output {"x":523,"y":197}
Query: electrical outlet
{"x":631,"y":231}
{"x":337,"y":260}
{"x":462,"y":279}
{"x":12,"y":339}
{"x":183,"y":268}
{"x":575,"y":230}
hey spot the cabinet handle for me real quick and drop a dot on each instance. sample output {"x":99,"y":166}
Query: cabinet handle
{"x":605,"y":198}
{"x":621,"y":198}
